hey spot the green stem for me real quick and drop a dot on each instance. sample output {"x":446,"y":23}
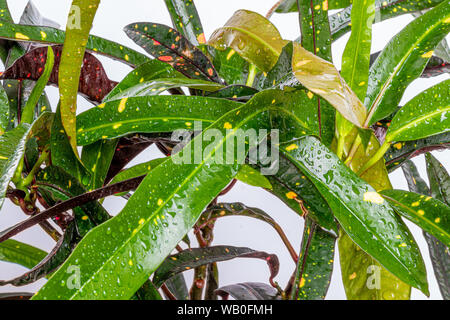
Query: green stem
{"x":252,"y":71}
{"x":340,"y":146}
{"x":353,"y":150}
{"x":376,"y":157}
{"x":29,"y":179}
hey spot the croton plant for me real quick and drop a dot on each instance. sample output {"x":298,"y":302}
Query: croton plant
{"x":243,"y":105}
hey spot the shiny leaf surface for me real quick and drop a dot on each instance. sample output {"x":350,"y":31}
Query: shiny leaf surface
{"x":249,"y":291}
{"x":21,"y":253}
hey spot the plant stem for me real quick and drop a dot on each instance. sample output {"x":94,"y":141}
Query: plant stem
{"x":29,"y":179}
{"x":272,"y":10}
{"x":251,"y":75}
{"x":376,"y":157}
{"x":340,"y":146}
{"x":353,"y":150}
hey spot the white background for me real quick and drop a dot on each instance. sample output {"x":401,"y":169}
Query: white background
{"x":111,"y":17}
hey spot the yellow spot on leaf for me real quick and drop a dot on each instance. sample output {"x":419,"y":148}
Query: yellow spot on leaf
{"x":130,"y":263}
{"x":122,"y":104}
{"x":325,"y":5}
{"x":101,"y":106}
{"x":141,"y":221}
{"x":21,"y":36}
{"x":292,"y":147}
{"x":84,"y":218}
{"x":373,"y":197}
{"x":415,"y":204}
{"x":116,"y":126}
{"x":402,"y":245}
{"x":428,"y":54}
{"x":310,"y":94}
{"x":291,"y":195}
{"x":3,"y":158}
{"x":398,"y":146}
{"x":160,"y":202}
{"x":227,"y":125}
{"x":302,"y":282}
{"x":201,"y":38}
{"x":352,"y":276}
{"x":421,"y":212}
{"x":437,"y":220}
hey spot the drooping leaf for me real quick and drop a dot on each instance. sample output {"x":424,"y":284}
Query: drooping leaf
{"x":415,"y":182}
{"x":428,"y":213}
{"x":315,"y":264}
{"x":94,"y":84}
{"x":168,"y":45}
{"x":79,"y":24}
{"x":403,"y":60}
{"x":439,"y":179}
{"x":425,"y":115}
{"x":340,"y":22}
{"x":192,"y":258}
{"x":177,"y":286}
{"x":231,"y":66}
{"x":139,"y":238}
{"x":4,"y":111}
{"x":48,"y":35}
{"x":148,"y":114}
{"x":186,"y":20}
{"x":11,"y":153}
{"x":252,"y":36}
{"x":291,"y":5}
{"x":402,"y":151}
{"x":253,"y":177}
{"x":322,"y":78}
{"x":20,"y":253}
{"x":51,"y":262}
{"x":249,"y":291}
{"x":365,"y":216}
{"x":150,"y":70}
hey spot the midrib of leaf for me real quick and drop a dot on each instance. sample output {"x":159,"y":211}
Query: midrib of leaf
{"x":417,"y":121}
{"x":357,"y":218}
{"x":255,"y":37}
{"x":422,"y":218}
{"x":185,"y":181}
{"x":385,"y":86}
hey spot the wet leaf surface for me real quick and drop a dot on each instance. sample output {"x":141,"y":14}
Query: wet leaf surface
{"x":21,"y":253}
{"x":248,"y":291}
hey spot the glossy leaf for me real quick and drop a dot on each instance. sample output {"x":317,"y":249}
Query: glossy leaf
{"x":252,"y":36}
{"x":322,"y":78}
{"x":315,"y":264}
{"x":20,"y":253}
{"x":51,"y":262}
{"x":168,"y":45}
{"x":48,"y":35}
{"x":177,"y":286}
{"x":148,"y":114}
{"x":403,"y":60}
{"x":362,"y":212}
{"x":231,"y":66}
{"x":249,"y":291}
{"x":425,"y":115}
{"x":94,"y":83}
{"x":428,"y":213}
{"x":439,"y":179}
{"x":402,"y":151}
{"x":253,"y":177}
{"x":139,"y":238}
{"x":151,"y":70}
{"x":11,"y":153}
{"x":77,"y":33}
{"x":192,"y":258}
{"x":415,"y":182}
{"x":4,"y":111}
{"x":185,"y":18}
{"x":291,"y":5}
{"x":137,"y":170}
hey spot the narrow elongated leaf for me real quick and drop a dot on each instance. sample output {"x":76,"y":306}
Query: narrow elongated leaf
{"x":415,"y":182}
{"x":137,"y":170}
{"x":402,"y":151}
{"x":252,"y":36}
{"x":4,"y":111}
{"x":362,"y":212}
{"x":94,"y":83}
{"x":428,"y":213}
{"x":11,"y":153}
{"x":148,"y":114}
{"x":253,"y":177}
{"x":151,"y":70}
{"x":20,"y":253}
{"x":48,"y":35}
{"x":322,"y":78}
{"x":51,"y":262}
{"x":177,"y":285}
{"x":124,"y":251}
{"x":192,"y":258}
{"x":168,"y":45}
{"x":425,"y":115}
{"x":403,"y":60}
{"x":16,"y":296}
{"x":291,"y":5}
{"x":249,"y":291}
{"x":315,"y":264}
{"x":185,"y":18}
{"x":439,"y":179}
{"x":71,"y":61}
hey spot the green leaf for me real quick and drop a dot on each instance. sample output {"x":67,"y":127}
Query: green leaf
{"x":11,"y":153}
{"x":402,"y":151}
{"x":315,"y":265}
{"x":249,"y":291}
{"x":322,"y":78}
{"x":137,"y":170}
{"x":28,"y":111}
{"x":117,"y":118}
{"x":185,"y":18}
{"x":362,"y":212}
{"x":253,"y":177}
{"x":177,"y":285}
{"x":48,"y":35}
{"x":439,"y":179}
{"x":425,"y":115}
{"x":79,"y":24}
{"x":231,"y":66}
{"x":97,"y":158}
{"x":20,"y":253}
{"x":192,"y":258}
{"x":291,"y":5}
{"x":4,"y":111}
{"x":150,"y":70}
{"x":117,"y":257}
{"x":428,"y":213}
{"x":168,"y":45}
{"x":415,"y":182}
{"x":252,"y":36}
{"x":364,"y":278}
{"x":403,"y":60}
